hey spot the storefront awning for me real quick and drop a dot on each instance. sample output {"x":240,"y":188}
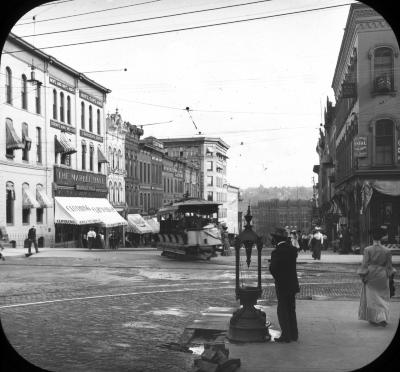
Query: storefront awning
{"x":100,"y":156}
{"x":43,"y":199}
{"x":84,"y":211}
{"x":63,"y":145}
{"x":29,"y":200}
{"x":12,"y":139}
{"x":137,"y":225}
{"x":154,"y":224}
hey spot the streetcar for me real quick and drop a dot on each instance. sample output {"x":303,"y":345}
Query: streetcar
{"x":189,"y":229}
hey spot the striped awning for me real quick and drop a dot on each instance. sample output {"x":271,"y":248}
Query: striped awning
{"x":100,"y":156}
{"x":43,"y":199}
{"x":12,"y":139}
{"x":28,"y":199}
{"x":25,"y":138}
{"x":63,"y":145}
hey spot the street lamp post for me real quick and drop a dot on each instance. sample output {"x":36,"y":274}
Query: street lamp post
{"x":248,"y":324}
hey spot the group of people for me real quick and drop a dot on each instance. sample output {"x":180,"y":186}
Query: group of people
{"x":376,"y":273}
{"x":93,"y":240}
{"x":316,"y":241}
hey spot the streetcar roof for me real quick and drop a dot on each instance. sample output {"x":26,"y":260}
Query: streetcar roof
{"x":193,"y":204}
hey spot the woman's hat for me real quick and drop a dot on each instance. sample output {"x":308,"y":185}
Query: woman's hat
{"x":279,"y":232}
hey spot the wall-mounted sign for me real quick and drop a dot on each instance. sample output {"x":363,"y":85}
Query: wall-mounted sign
{"x":91,"y":136}
{"x":63,"y":127}
{"x":91,"y":99}
{"x":71,"y":177}
{"x":62,"y":85}
{"x":360,"y":147}
{"x":349,"y":90}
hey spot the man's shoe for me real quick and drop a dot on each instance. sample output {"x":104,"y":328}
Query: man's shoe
{"x":280,"y":339}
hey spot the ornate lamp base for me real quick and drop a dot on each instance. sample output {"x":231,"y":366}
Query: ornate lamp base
{"x":248,"y":324}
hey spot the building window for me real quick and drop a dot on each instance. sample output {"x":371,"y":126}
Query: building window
{"x":65,"y":159}
{"x":119,"y":160}
{"x":24,"y":93}
{"x":82,"y":115}
{"x":68,"y":110}
{"x":91,"y":155}
{"x":39,"y":215}
{"x":148,"y":173}
{"x":98,"y":122}
{"x":383,"y":70}
{"x":83,"y":155}
{"x":209,"y":165}
{"x":54,"y":104}
{"x":10,"y":196}
{"x":27,"y":142}
{"x":209,"y":180}
{"x":116,"y":193}
{"x":140,"y":172}
{"x":210,"y":196}
{"x":62,"y":108}
{"x":37,"y":99}
{"x":384,"y":142}
{"x":114,"y":158}
{"x":110,"y":192}
{"x":8,"y":86}
{"x":110,"y":156}
{"x":90,"y":119}
{"x":38,"y":145}
{"x":26,"y":211}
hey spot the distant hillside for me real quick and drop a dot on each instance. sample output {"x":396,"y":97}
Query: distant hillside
{"x":256,"y":194}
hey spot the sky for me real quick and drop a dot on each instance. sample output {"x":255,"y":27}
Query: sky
{"x":260,"y":85}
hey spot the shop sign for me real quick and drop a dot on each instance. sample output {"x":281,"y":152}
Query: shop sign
{"x":91,"y":136}
{"x":62,"y":85}
{"x":360,"y":147}
{"x":349,"y":90}
{"x":71,"y":177}
{"x":63,"y":127}
{"x":91,"y":99}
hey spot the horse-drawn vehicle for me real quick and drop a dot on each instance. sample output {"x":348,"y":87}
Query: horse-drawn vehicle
{"x":189,"y":229}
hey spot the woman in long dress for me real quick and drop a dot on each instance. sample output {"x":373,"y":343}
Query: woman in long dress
{"x":375,"y":271}
{"x":317,"y":242}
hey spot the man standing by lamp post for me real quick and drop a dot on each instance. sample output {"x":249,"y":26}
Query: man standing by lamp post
{"x":283,"y":270}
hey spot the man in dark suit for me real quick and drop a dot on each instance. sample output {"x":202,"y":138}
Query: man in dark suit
{"x":283,"y":270}
{"x":32,"y":240}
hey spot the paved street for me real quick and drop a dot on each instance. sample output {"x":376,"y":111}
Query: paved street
{"x":116,"y":310}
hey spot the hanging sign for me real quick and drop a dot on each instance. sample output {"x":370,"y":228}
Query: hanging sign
{"x":360,"y":147}
{"x":349,"y":90}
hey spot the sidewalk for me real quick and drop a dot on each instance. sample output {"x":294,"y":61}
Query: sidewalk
{"x":331,"y":338}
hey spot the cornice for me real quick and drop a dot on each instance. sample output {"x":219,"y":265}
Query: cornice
{"x":357,"y":21}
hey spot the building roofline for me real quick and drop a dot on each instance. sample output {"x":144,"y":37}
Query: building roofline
{"x":29,"y":47}
{"x":195,"y":139}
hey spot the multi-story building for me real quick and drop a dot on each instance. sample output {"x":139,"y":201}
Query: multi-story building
{"x":268,"y":214}
{"x":232,"y":218}
{"x":132,"y":183}
{"x":150,"y":159}
{"x":53,"y":147}
{"x":209,"y":154}
{"x":359,"y":168}
{"x":116,"y":130}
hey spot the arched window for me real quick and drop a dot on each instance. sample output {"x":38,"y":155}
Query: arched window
{"x":62,"y":108}
{"x":114,"y":163}
{"x":90,"y":118}
{"x":26,"y":141}
{"x":68,"y":109}
{"x":83,"y":155}
{"x":9,"y":86}
{"x":54,"y":104}
{"x":110,"y":156}
{"x":37,"y":99}
{"x":98,"y":122}
{"x":24,"y":93}
{"x":10,"y":197}
{"x":116,"y":193}
{"x":91,"y":155}
{"x":383,"y":69}
{"x":26,"y":211}
{"x":384,"y":142}
{"x":120,"y":196}
{"x":82,"y":115}
{"x":119,"y":164}
{"x":110,"y":192}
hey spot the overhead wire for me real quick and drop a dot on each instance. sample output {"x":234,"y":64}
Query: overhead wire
{"x":185,"y":28}
{"x":87,"y":13}
{"x":149,"y":18}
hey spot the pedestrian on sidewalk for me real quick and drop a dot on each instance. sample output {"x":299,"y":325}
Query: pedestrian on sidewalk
{"x":32,"y":240}
{"x":376,"y":271}
{"x":283,"y":270}
{"x":317,"y":242}
{"x":91,"y":236}
{"x":1,"y":252}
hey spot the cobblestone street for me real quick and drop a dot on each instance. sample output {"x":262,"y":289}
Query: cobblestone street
{"x":97,"y":314}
